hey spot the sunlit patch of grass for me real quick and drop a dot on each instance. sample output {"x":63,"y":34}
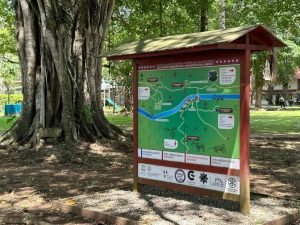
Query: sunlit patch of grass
{"x":281,"y":122}
{"x":6,"y":122}
{"x":120,"y":120}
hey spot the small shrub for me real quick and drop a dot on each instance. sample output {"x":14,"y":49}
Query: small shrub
{"x":13,"y":99}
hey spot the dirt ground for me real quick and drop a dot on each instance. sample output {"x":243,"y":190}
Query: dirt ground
{"x":31,"y":179}
{"x":275,"y":167}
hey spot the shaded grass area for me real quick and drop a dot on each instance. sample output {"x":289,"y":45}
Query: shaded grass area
{"x":275,"y":122}
{"x":30,"y":180}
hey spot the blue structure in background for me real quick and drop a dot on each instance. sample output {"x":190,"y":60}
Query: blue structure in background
{"x":12,"y":109}
{"x":111,"y":102}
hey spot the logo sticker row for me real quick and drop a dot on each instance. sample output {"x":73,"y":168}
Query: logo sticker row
{"x":192,"y":178}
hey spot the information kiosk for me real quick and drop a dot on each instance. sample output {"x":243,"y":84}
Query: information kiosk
{"x":191,"y":110}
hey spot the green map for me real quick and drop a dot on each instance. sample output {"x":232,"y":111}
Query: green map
{"x":191,"y":110}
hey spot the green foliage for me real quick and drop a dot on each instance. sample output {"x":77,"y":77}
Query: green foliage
{"x":134,"y":19}
{"x":121,"y":73}
{"x":13,"y":99}
{"x":7,"y":28}
{"x":288,"y":61}
{"x":283,"y":18}
{"x":258,"y":65}
{"x":9,"y":68}
{"x":9,"y":72}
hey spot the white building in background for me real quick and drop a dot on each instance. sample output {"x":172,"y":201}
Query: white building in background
{"x":292,"y":94}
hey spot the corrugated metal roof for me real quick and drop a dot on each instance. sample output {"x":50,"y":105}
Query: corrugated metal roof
{"x":183,"y":41}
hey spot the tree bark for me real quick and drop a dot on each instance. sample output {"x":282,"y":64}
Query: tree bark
{"x":203,"y":16}
{"x":222,"y":19}
{"x":258,"y":94}
{"x":270,"y":94}
{"x":58,"y":44}
{"x":161,"y":18}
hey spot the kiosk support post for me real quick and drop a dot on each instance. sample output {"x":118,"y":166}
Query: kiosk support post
{"x":245,"y":133}
{"x":136,"y":185}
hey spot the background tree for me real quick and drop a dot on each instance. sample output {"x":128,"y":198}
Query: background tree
{"x":121,"y":74}
{"x":9,"y":68}
{"x":288,"y":61}
{"x":135,"y":19}
{"x":7,"y":29}
{"x":283,"y":19}
{"x":222,"y":19}
{"x":258,"y":67}
{"x":59,"y":43}
{"x":10,"y":74}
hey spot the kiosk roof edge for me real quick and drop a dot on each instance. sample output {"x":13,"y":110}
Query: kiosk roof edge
{"x":260,"y":39}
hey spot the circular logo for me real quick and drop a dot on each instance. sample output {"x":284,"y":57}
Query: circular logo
{"x":232,"y":182}
{"x":212,"y":75}
{"x":180,"y":176}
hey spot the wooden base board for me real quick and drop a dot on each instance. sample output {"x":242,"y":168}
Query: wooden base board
{"x":102,"y":217}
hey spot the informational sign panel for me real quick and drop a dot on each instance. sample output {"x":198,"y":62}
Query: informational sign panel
{"x":189,"y":113}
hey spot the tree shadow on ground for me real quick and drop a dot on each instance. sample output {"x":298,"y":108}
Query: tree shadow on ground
{"x":31,"y":178}
{"x":190,"y":202}
{"x":275,"y":167}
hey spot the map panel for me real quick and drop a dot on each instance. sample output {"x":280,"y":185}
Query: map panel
{"x":190,"y":110}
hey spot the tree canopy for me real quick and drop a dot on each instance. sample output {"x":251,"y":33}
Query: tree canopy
{"x":133,"y":20}
{"x":7,"y":28}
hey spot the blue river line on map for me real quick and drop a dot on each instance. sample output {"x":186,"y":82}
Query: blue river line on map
{"x":190,"y":97}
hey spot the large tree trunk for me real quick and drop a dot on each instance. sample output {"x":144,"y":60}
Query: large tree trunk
{"x":258,"y":94}
{"x":270,"y":94}
{"x":128,"y":99}
{"x":59,"y":43}
{"x":258,"y":70}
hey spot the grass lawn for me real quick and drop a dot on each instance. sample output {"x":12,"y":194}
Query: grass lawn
{"x":120,"y":120}
{"x":272,"y":122}
{"x":6,"y":122}
{"x":275,"y":122}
